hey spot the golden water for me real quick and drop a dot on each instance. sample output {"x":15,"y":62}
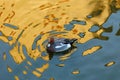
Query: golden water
{"x":32,"y":18}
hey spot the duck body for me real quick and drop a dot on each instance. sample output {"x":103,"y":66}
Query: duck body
{"x":59,"y":46}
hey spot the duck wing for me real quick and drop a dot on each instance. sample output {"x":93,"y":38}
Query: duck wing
{"x":59,"y":47}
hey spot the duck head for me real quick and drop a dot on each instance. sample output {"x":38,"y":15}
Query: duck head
{"x":50,"y":45}
{"x":51,"y":41}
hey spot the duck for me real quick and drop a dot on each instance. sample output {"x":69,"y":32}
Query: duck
{"x":59,"y":46}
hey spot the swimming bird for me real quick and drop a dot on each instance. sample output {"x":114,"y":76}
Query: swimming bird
{"x":59,"y":46}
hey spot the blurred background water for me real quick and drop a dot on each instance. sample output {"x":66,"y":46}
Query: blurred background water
{"x":91,"y":67}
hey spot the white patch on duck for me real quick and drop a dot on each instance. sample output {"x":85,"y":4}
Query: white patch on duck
{"x":62,"y":45}
{"x":48,"y":45}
